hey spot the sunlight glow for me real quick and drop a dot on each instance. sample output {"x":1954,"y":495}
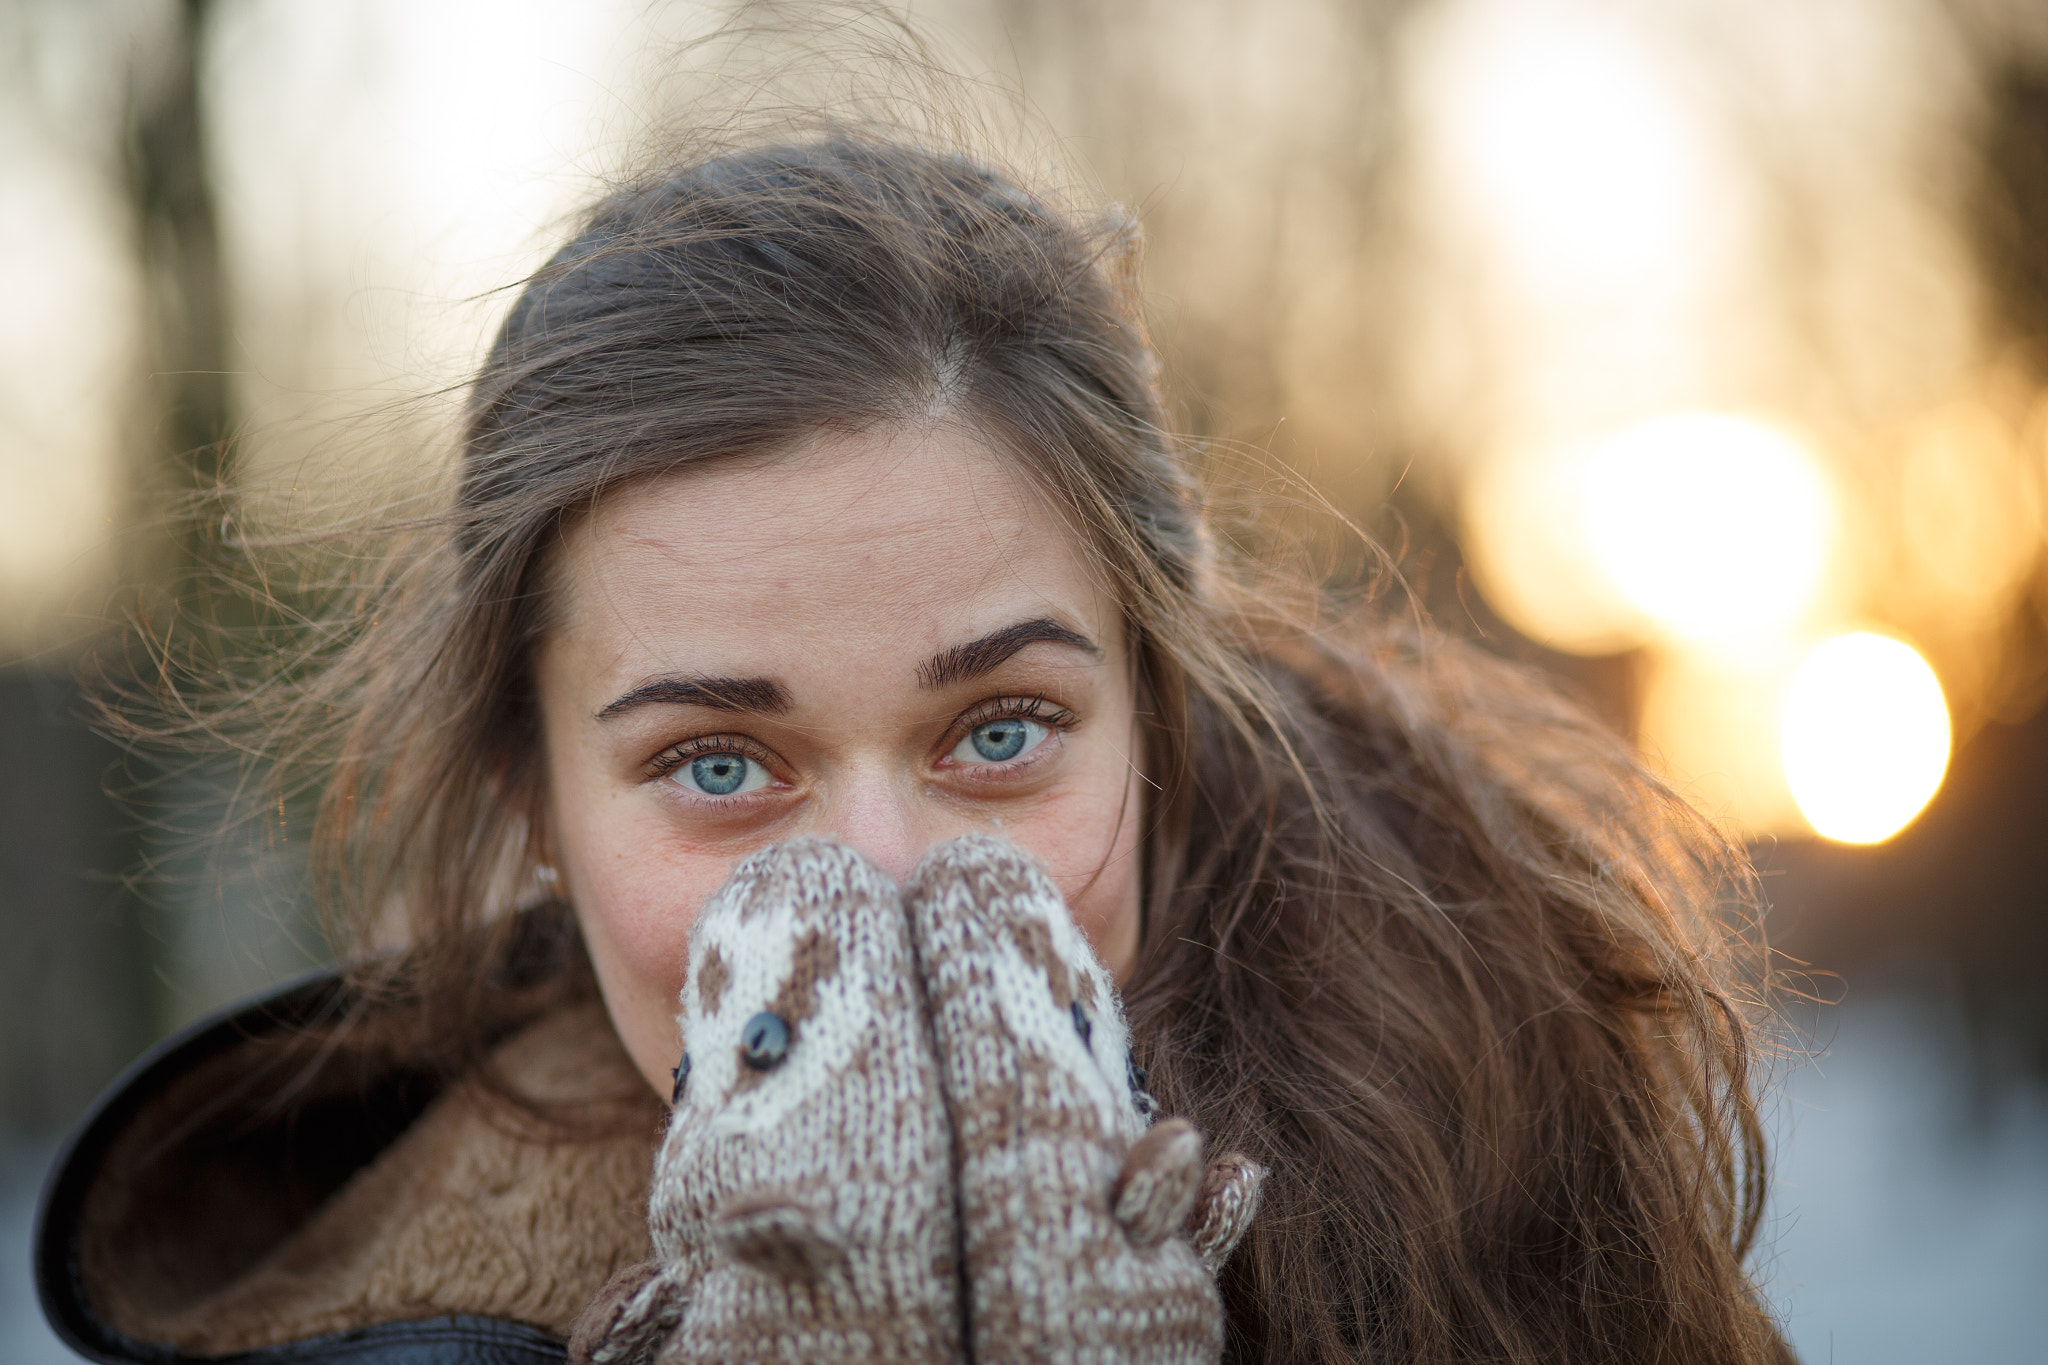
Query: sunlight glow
{"x":1695,"y":529}
{"x":1709,"y":724}
{"x":1567,"y":127}
{"x":1865,"y":737}
{"x":1530,"y":561}
{"x":1969,"y":515}
{"x":1715,"y":527}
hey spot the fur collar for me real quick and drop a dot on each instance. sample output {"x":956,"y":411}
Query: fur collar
{"x":255,"y":1185}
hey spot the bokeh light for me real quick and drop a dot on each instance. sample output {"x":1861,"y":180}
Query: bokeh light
{"x":1969,"y":515}
{"x":1697,"y":529}
{"x":1865,"y":737}
{"x":1526,"y":550}
{"x":1708,"y":721}
{"x":1564,"y":124}
{"x":1714,"y":527}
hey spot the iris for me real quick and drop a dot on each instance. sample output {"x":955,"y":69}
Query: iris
{"x":719,"y":774}
{"x":1001,"y":740}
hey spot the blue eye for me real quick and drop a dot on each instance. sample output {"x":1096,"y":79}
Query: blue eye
{"x":721,"y":775}
{"x":999,"y":741}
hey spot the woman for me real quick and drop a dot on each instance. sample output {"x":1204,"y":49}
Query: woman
{"x":824,"y":488}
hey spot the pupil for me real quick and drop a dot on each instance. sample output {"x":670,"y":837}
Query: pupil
{"x":720,"y":774}
{"x":999,"y":739}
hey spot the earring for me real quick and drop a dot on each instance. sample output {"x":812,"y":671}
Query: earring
{"x":547,"y":876}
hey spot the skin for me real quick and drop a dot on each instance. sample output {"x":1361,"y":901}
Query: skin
{"x":844,"y":616}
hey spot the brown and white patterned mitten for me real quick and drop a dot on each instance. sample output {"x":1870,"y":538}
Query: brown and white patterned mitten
{"x":635,"y":1312}
{"x":1225,"y":1207}
{"x":803,"y":1204}
{"x":1072,"y":1212}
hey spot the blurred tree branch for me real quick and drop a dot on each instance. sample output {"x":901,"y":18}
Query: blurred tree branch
{"x":177,"y":233}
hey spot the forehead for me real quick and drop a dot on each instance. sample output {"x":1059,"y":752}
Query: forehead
{"x":913,"y":537}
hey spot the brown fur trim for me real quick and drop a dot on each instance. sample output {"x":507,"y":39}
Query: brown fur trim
{"x":475,"y":1209}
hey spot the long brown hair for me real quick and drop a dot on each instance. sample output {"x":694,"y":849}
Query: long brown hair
{"x":1418,"y":935}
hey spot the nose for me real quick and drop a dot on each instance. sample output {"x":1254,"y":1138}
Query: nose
{"x":880,"y":816}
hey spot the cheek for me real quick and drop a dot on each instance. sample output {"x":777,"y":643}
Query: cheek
{"x":636,"y":896}
{"x":1091,"y":844}
{"x":641,"y":912}
{"x":1105,"y":907}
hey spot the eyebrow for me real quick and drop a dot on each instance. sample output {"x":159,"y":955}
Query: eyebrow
{"x":762,"y":696}
{"x":963,"y":663}
{"x":765,"y":696}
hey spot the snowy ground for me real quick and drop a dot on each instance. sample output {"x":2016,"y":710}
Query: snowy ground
{"x":1908,"y":1228}
{"x":24,"y":1340}
{"x":1910,"y":1219}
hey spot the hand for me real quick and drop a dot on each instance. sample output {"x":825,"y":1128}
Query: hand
{"x":958,"y":1047}
{"x":1071,"y":1212}
{"x":802,"y":1202}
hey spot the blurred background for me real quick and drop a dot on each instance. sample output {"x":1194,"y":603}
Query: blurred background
{"x":1695,"y":351}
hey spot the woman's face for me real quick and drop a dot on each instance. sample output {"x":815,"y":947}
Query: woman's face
{"x":887,"y":639}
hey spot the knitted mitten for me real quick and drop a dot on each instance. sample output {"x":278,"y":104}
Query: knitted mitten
{"x":636,"y":1311}
{"x":802,"y":1207}
{"x":1071,"y":1211}
{"x":1225,"y":1207}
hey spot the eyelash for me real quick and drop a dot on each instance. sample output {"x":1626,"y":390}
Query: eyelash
{"x":676,"y":755}
{"x":1049,"y":714}
{"x":1036,"y":708}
